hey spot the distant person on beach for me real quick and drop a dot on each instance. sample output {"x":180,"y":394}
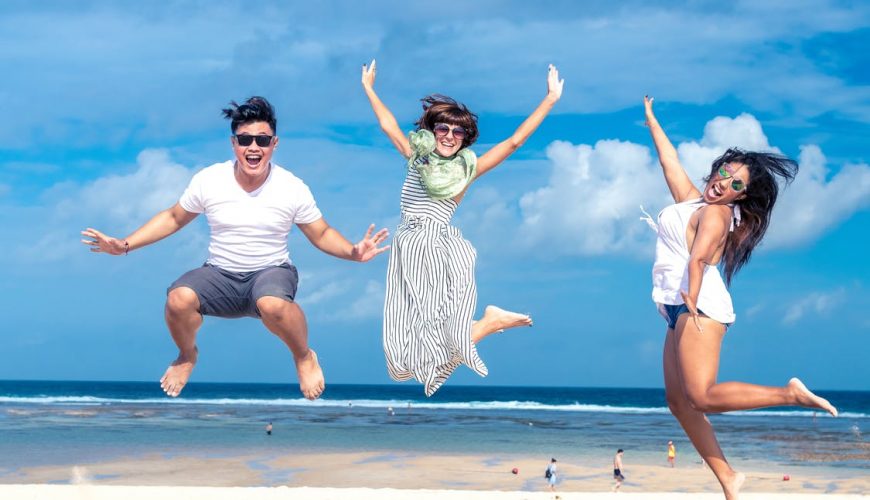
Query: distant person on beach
{"x":617,"y":469}
{"x":431,"y":295}
{"x":720,"y":225}
{"x":251,"y":205}
{"x":269,"y":428}
{"x":672,"y":453}
{"x":550,"y":474}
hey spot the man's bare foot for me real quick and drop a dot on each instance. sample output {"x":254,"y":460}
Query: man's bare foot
{"x":806,"y":398}
{"x":499,"y":319}
{"x":310,"y":375}
{"x":178,"y":373}
{"x":732,"y":488}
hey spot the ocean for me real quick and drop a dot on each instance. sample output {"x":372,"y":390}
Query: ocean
{"x":68,"y":423}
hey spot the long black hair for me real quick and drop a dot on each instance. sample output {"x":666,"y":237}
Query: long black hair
{"x":756,"y":204}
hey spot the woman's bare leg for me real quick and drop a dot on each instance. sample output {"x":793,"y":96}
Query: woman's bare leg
{"x":496,"y":319}
{"x":695,"y":424}
{"x":698,"y":368}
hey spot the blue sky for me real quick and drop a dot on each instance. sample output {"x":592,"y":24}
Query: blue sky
{"x":110,"y":107}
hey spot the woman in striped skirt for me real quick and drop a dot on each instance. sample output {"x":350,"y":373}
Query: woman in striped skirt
{"x":429,"y":326}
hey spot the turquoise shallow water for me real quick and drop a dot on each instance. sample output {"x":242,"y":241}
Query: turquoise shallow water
{"x":44,"y":423}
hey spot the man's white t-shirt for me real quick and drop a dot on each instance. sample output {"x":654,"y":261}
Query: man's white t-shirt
{"x":249,"y":230}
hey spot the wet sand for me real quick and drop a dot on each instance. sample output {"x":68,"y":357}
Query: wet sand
{"x":399,"y":475}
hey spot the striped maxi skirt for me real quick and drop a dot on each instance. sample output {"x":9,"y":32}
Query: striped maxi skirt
{"x":430,"y":302}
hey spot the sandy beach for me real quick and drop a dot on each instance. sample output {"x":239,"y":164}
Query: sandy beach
{"x":397,"y":475}
{"x":88,"y":492}
{"x":117,"y":440}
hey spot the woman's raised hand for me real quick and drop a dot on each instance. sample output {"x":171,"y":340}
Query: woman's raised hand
{"x":647,"y":107}
{"x":368,"y":75}
{"x":554,"y":85}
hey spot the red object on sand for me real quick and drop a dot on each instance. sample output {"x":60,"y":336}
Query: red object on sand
{"x":515,"y":470}
{"x":786,"y":477}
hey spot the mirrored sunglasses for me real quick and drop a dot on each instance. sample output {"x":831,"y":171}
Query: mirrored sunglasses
{"x":736,"y":184}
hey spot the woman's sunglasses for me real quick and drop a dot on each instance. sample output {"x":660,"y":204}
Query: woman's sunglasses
{"x":442,"y":129}
{"x":725,"y":172}
{"x":246,"y":140}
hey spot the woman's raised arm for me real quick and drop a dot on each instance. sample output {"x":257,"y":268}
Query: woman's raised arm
{"x":678,"y":180}
{"x":502,"y":150}
{"x":385,"y":118}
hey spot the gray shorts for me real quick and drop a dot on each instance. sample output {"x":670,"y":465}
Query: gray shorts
{"x":226,"y":294}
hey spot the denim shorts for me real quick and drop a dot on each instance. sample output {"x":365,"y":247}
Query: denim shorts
{"x":227,"y":294}
{"x":672,"y":312}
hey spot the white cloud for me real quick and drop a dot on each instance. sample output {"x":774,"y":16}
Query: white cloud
{"x":329,"y":291}
{"x":720,"y":133}
{"x":141,"y":86}
{"x":342,"y":300}
{"x":754,"y":310}
{"x":369,"y":304}
{"x":590,"y":205}
{"x":817,"y":302}
{"x":484,"y":215}
{"x":133,"y":198}
{"x":114,"y":204}
{"x":817,"y":201}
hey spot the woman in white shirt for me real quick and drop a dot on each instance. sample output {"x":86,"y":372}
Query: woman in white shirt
{"x":721,"y":225}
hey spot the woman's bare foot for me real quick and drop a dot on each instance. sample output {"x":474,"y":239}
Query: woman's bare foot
{"x":178,"y":373}
{"x":732,"y":488}
{"x":806,"y":398}
{"x":310,"y":375}
{"x":499,"y":319}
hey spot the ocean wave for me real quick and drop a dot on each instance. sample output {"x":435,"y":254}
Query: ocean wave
{"x":394,"y":403}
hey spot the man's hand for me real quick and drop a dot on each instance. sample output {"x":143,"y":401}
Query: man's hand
{"x":368,"y":248}
{"x":99,"y":242}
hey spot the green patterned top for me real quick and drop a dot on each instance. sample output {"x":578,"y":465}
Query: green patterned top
{"x":442,"y":177}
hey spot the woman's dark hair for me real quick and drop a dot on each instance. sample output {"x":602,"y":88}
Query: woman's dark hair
{"x":255,"y":109}
{"x":756,"y":204}
{"x":439,"y":108}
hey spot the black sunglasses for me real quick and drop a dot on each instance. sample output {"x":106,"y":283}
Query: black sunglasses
{"x":262,"y":140}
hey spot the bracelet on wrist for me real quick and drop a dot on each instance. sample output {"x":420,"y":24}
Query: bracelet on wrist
{"x":126,"y":247}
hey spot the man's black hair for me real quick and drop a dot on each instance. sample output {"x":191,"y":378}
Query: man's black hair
{"x":255,"y":109}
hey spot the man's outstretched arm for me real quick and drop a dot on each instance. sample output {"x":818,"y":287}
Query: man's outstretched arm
{"x":160,"y":226}
{"x":330,"y":241}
